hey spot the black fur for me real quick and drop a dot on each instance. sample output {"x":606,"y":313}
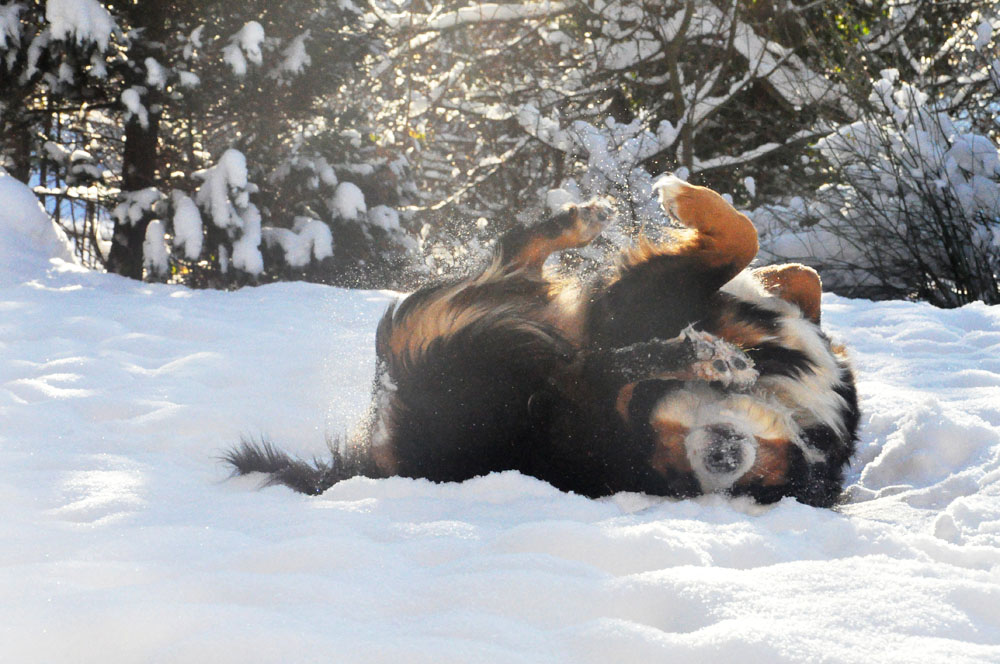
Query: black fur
{"x":312,"y":478}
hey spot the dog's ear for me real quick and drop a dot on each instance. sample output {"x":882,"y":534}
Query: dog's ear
{"x":799,"y":284}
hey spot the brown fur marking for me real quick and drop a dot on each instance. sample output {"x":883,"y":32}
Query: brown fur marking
{"x":722,"y":237}
{"x":624,"y":399}
{"x":795,"y":283}
{"x":771,"y":464}
{"x":670,"y":453}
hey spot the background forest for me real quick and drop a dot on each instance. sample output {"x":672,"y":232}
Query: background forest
{"x":220,"y":143}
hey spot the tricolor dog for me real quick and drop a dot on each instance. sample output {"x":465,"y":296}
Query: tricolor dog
{"x":686,"y":373}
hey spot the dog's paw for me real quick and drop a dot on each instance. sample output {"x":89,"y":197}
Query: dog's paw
{"x":671,"y":188}
{"x":591,"y":218}
{"x":718,"y":361}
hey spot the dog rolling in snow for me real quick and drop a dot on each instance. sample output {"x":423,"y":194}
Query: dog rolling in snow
{"x":684,"y":374}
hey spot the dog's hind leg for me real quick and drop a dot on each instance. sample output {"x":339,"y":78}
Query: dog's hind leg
{"x":573,"y":226}
{"x":723,"y":239}
{"x":663,"y":288}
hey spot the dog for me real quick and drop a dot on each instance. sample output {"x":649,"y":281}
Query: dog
{"x":683,"y":374}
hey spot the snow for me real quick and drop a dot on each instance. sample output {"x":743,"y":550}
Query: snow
{"x":476,"y":13}
{"x":28,"y":238}
{"x":308,"y":239}
{"x":136,"y":204}
{"x":188,"y":79}
{"x":156,"y":74}
{"x":10,"y":25}
{"x":906,"y":165}
{"x":225,"y":197}
{"x":188,"y":227}
{"x":385,"y":218}
{"x":83,"y":20}
{"x":154,"y":249}
{"x":132,"y":98}
{"x":123,"y":539}
{"x":244,"y":45}
{"x":348,"y":201}
{"x":984,"y":34}
{"x":296,"y":58}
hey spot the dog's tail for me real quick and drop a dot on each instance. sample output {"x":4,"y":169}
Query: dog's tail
{"x":308,"y":477}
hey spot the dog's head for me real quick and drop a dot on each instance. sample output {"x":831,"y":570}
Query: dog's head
{"x":707,"y":440}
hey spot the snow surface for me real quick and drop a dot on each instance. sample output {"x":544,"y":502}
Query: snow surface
{"x":124,"y":541}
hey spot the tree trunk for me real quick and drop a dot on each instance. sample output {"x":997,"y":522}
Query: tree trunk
{"x":138,"y":172}
{"x":141,"y":154}
{"x":21,"y":151}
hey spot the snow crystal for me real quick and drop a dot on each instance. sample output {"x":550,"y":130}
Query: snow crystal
{"x":65,"y":74}
{"x":348,"y":201}
{"x":614,"y":154}
{"x":98,"y":66}
{"x":82,"y":20}
{"x":326,"y":173}
{"x":193,"y":42}
{"x":83,"y":167}
{"x":56,"y":152}
{"x":233,"y":56}
{"x":250,"y":37}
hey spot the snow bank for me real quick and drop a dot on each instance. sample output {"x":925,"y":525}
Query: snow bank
{"x":123,"y":540}
{"x":29,"y":240}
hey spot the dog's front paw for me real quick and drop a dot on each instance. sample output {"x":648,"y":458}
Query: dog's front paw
{"x":718,"y":361}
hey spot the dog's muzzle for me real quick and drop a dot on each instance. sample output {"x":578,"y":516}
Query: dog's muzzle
{"x":720,"y":453}
{"x":725,"y":450}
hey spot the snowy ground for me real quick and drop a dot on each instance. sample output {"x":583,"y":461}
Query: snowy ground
{"x":124,"y":541}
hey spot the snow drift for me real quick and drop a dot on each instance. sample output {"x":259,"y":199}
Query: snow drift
{"x":28,"y":237}
{"x":123,"y":539}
